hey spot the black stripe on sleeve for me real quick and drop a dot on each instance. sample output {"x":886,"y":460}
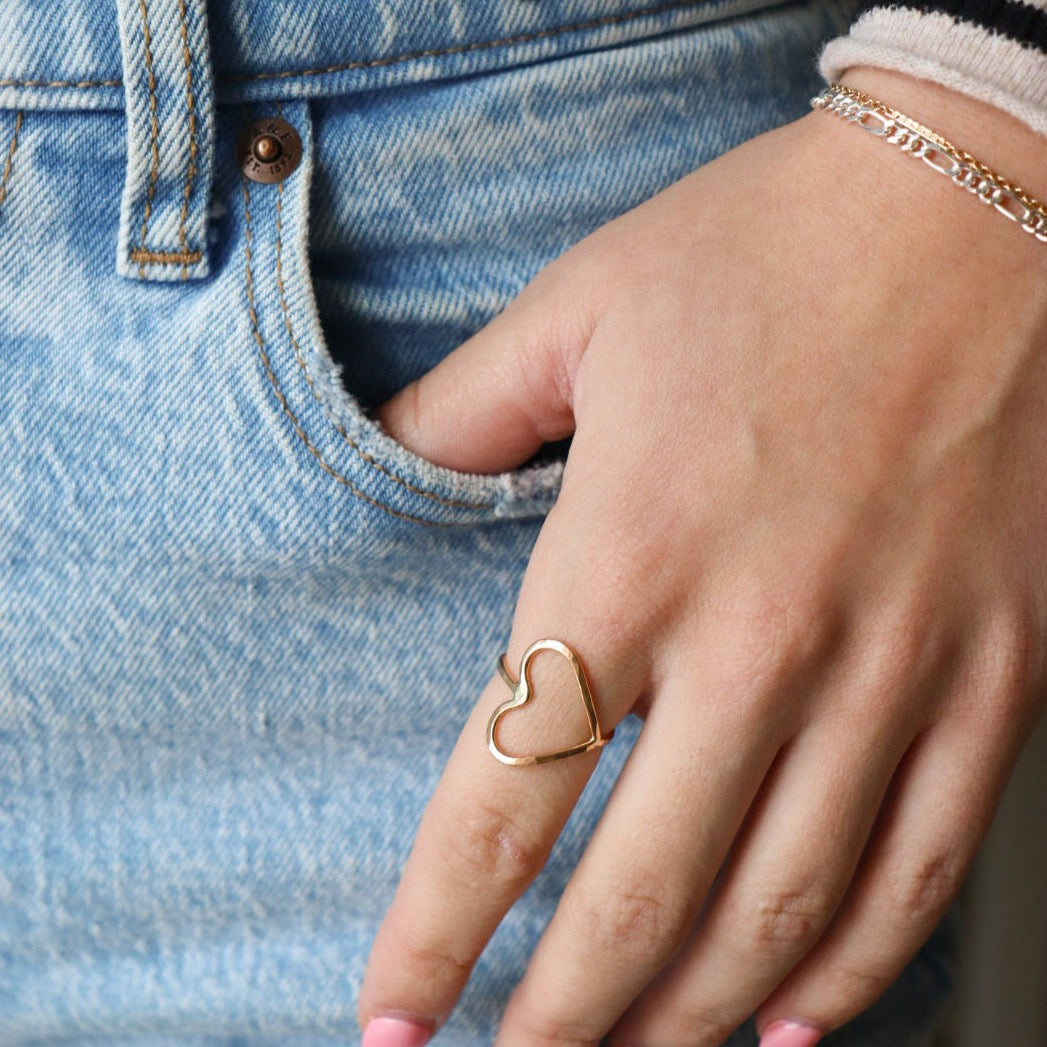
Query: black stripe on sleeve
{"x":1011,"y":18}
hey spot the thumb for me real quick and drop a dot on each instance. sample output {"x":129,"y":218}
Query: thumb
{"x":498,"y":397}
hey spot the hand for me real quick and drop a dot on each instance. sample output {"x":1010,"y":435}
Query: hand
{"x":803,"y":532}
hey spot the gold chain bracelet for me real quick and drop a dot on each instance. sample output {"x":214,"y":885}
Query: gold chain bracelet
{"x":938,"y":153}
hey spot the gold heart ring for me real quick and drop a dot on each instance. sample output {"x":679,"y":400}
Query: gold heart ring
{"x":521,"y":688}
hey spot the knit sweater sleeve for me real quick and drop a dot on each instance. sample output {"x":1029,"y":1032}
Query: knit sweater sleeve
{"x":995,"y":50}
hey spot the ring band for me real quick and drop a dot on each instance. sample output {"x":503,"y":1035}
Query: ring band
{"x":522,"y":692}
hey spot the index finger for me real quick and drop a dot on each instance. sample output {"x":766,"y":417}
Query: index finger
{"x":489,"y":828}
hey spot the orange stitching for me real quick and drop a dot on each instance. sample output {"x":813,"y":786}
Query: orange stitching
{"x":256,"y":331}
{"x":154,"y":129}
{"x":61,"y":83}
{"x":191,"y":105}
{"x":481,"y":45}
{"x":367,"y":457}
{"x":10,"y":158}
{"x":437,"y":52}
{"x":182,"y":258}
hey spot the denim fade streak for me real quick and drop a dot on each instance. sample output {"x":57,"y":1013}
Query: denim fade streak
{"x":240,"y":628}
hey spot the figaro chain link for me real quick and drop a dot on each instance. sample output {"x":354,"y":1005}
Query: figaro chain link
{"x":938,"y":153}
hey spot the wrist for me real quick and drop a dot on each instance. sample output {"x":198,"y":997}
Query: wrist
{"x":992,"y":135}
{"x":929,"y":216}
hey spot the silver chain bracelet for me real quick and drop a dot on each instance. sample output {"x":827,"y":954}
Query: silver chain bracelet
{"x":940,"y":155}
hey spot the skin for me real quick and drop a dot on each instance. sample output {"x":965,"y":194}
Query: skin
{"x":816,"y":566}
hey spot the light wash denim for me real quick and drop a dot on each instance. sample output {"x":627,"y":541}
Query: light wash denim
{"x":240,"y":628}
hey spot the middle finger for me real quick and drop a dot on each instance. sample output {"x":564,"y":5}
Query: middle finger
{"x":644,"y":876}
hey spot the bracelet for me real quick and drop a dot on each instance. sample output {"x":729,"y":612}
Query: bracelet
{"x":939,"y":154}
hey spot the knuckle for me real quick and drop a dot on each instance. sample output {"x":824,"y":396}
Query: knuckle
{"x":1010,"y":668}
{"x":900,"y":645}
{"x":903,"y":642}
{"x":775,"y":634}
{"x":857,"y":986}
{"x":432,"y":964}
{"x":789,"y":919}
{"x":625,"y":608}
{"x":490,"y":847}
{"x":557,"y":1031}
{"x":696,"y":1028}
{"x":413,"y":408}
{"x":635,"y":920}
{"x":921,"y":892}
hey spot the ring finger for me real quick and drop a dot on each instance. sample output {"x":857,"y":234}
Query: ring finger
{"x":787,"y":874}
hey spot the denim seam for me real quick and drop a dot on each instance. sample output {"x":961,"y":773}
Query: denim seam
{"x":183,"y":258}
{"x":436,"y":52}
{"x":153,"y":139}
{"x":9,"y":163}
{"x":190,"y":170}
{"x":368,"y":458}
{"x":479,"y":45}
{"x":144,"y":257}
{"x":9,"y":82}
{"x":285,"y":406}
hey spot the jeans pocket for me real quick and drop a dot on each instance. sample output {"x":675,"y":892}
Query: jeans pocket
{"x":327,"y":425}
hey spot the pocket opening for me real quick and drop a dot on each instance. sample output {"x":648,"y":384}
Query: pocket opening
{"x":324,"y":418}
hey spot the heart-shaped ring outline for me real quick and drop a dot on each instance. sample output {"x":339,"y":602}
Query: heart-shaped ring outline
{"x":521,"y":688}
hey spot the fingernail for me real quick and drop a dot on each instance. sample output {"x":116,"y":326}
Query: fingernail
{"x":787,"y":1033}
{"x":395,"y":1032}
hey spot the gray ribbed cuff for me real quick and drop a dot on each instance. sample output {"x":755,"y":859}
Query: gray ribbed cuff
{"x":956,"y":54}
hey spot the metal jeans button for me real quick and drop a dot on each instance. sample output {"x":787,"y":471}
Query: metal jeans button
{"x":269,"y":149}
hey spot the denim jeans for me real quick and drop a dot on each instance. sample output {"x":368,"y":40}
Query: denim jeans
{"x":240,"y":627}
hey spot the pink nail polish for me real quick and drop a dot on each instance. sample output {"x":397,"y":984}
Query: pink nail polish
{"x":787,"y":1033}
{"x":396,"y":1032}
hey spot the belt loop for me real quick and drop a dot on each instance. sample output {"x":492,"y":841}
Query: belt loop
{"x":170,"y":139}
